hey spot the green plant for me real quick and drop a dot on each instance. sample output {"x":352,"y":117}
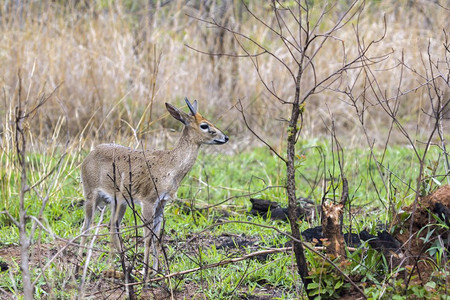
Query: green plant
{"x":396,"y":290}
{"x":327,"y":282}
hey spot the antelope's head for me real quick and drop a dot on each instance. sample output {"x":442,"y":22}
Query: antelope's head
{"x":201,"y":131}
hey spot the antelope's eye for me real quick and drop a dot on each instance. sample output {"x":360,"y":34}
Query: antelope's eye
{"x":204,"y":126}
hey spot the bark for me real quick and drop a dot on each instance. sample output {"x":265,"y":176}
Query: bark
{"x":333,"y":220}
{"x":290,"y":186}
{"x":331,"y":228}
{"x":23,"y":238}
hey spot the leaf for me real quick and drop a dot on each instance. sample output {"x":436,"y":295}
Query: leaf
{"x":436,"y":181}
{"x":427,"y":237}
{"x":314,"y":292}
{"x":313,"y":285}
{"x":431,"y":285}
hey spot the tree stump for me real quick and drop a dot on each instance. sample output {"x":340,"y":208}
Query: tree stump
{"x":331,"y":227}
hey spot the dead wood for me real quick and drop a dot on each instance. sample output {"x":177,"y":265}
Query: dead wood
{"x":267,"y":208}
{"x":331,"y":227}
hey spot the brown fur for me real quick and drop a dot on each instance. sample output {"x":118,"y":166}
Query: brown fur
{"x":154,"y":177}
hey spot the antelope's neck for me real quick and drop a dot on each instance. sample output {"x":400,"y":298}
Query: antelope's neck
{"x":186,"y":152}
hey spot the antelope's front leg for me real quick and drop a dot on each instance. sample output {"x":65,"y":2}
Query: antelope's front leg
{"x":152,"y":231}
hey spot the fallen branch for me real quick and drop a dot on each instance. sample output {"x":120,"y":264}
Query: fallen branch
{"x":222,"y":263}
{"x":118,"y":274}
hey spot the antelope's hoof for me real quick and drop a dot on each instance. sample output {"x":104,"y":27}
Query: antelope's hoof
{"x":115,"y":274}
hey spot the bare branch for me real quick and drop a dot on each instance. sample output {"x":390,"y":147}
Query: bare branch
{"x":240,"y":108}
{"x":5,"y":212}
{"x":247,"y":55}
{"x":239,"y":34}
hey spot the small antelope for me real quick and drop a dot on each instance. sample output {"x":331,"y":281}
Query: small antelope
{"x":114,"y":175}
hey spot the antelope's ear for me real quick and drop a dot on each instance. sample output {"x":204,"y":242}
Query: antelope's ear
{"x":192,"y":107}
{"x":178,"y":114}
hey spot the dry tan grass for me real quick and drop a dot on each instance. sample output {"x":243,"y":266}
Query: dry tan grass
{"x":115,"y":67}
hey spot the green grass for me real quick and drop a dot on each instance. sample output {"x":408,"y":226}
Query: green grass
{"x":229,"y":180}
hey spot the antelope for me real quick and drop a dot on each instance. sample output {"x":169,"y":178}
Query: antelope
{"x":113,"y":174}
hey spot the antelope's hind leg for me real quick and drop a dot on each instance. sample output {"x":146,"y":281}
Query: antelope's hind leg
{"x":90,"y":206}
{"x":147,"y":211}
{"x":117,"y":213}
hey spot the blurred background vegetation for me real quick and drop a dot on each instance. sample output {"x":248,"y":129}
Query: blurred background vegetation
{"x":114,"y":64}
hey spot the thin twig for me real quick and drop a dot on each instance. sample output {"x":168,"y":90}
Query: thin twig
{"x":88,"y":258}
{"x":241,"y":110}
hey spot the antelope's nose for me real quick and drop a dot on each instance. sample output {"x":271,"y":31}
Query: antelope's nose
{"x":226,"y":138}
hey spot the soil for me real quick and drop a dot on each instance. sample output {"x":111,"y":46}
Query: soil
{"x":100,"y":286}
{"x":235,"y":245}
{"x":423,"y":218}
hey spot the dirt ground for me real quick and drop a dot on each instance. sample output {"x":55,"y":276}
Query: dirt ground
{"x":424,"y":224}
{"x":413,"y":246}
{"x":100,"y":286}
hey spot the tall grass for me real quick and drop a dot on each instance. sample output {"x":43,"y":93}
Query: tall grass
{"x":117,"y":62}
